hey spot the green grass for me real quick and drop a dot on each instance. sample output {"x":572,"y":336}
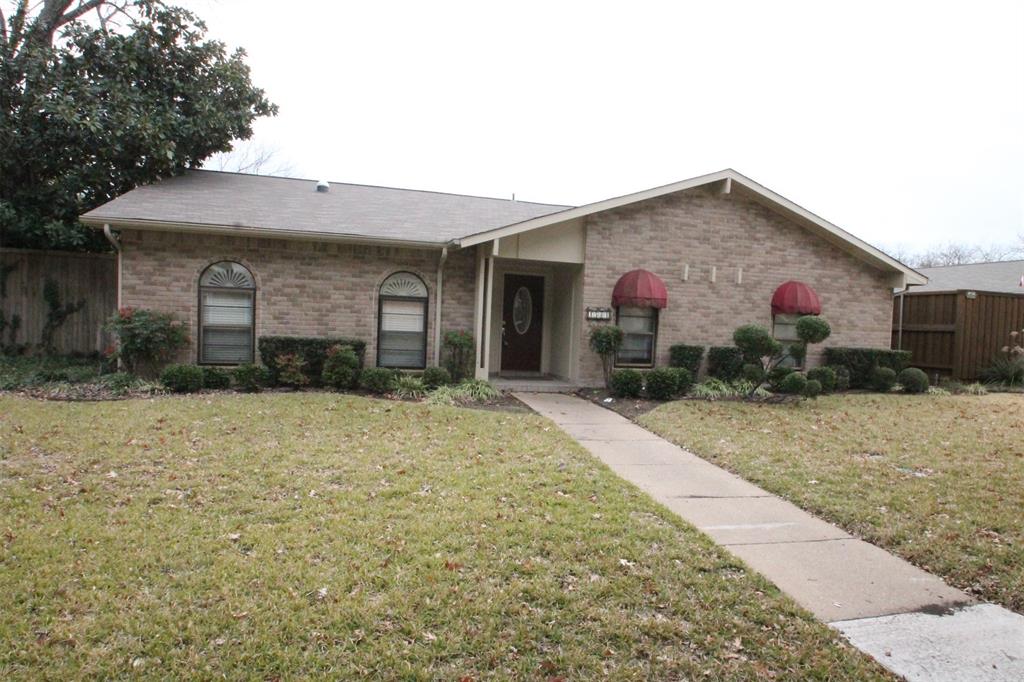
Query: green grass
{"x":938,"y":480}
{"x":267,"y":536}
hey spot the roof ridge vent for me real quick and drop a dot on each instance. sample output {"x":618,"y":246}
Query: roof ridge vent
{"x":323,"y":186}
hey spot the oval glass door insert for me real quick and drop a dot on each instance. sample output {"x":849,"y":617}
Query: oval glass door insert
{"x":522,"y":310}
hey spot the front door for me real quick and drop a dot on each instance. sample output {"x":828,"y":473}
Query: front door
{"x":522,"y":323}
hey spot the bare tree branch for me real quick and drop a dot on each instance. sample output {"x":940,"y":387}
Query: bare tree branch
{"x":250,"y":157}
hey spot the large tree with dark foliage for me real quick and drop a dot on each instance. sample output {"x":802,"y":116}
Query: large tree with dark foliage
{"x":100,"y":96}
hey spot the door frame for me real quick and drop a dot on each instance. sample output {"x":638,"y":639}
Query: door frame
{"x":498,"y":300}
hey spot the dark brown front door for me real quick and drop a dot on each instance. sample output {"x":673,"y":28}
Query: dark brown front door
{"x":522,"y":323}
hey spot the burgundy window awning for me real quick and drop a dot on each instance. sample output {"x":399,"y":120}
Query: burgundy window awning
{"x":640,"y":288}
{"x":795,"y":298}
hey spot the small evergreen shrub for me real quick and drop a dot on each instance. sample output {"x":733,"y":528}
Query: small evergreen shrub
{"x":457,"y":347}
{"x":341,"y":368}
{"x":826,"y":376}
{"x":379,"y":380}
{"x":626,"y":383}
{"x":813,"y":329}
{"x":661,"y":384}
{"x":182,"y":378}
{"x":436,"y":376}
{"x":725,"y":362}
{"x":216,"y":378}
{"x":753,"y":372}
{"x":793,"y":383}
{"x":687,"y":357}
{"x":913,"y":380}
{"x":250,"y":378}
{"x":606,"y":340}
{"x":842,"y":377}
{"x":861,"y":362}
{"x":683,"y":379}
{"x":291,"y":370}
{"x":812,"y":389}
{"x":883,"y":379}
{"x":755,"y":342}
{"x":776,"y":375}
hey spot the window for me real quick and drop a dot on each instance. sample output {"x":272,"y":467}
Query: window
{"x":226,"y":311}
{"x":640,"y":327}
{"x":784,"y":330}
{"x":402,"y":322}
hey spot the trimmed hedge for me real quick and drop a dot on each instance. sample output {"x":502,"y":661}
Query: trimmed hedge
{"x":861,"y":362}
{"x":883,"y":379}
{"x":312,"y":350}
{"x":215,"y":377}
{"x":661,"y":383}
{"x":379,"y":380}
{"x":182,"y":378}
{"x":725,"y":362}
{"x":436,"y":376}
{"x":341,"y":368}
{"x":250,"y":377}
{"x":913,"y":380}
{"x":794,"y":383}
{"x":826,"y":376}
{"x":684,"y":379}
{"x":687,"y":357}
{"x":627,"y":383}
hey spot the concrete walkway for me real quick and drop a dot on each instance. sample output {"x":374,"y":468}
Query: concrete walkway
{"x":909,"y":620}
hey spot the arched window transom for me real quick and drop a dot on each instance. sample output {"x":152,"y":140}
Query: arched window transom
{"x":402,"y":322}
{"x":227,"y":307}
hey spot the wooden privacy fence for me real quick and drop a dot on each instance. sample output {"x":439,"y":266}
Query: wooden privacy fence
{"x":955,"y":333}
{"x":91,"y":277}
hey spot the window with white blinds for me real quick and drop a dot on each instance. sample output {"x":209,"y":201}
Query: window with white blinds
{"x":226,"y":314}
{"x":784,"y":330}
{"x":402,"y":326}
{"x":640,"y":328}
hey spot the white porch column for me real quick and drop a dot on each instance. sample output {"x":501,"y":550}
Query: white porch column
{"x":482,"y":311}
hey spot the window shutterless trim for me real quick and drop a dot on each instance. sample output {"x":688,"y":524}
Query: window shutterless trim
{"x":252,"y":326}
{"x":654,"y":341}
{"x":425,"y":300}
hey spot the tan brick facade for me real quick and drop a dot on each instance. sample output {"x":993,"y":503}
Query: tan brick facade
{"x":706,"y":230}
{"x":320,"y":289}
{"x":302,"y":288}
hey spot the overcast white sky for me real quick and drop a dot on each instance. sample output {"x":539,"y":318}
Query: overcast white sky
{"x":902,"y":122}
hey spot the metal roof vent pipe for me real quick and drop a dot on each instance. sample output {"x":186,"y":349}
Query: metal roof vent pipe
{"x":323,"y":186}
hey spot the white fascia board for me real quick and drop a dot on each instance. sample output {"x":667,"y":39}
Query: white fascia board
{"x":732,"y":180}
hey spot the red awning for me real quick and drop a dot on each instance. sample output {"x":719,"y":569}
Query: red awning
{"x":641,"y":289}
{"x":795,"y":298}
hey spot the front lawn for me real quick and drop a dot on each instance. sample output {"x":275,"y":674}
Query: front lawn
{"x":282,"y":536}
{"x":938,"y":480}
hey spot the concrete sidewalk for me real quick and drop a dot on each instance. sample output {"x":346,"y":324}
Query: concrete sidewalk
{"x":908,"y":619}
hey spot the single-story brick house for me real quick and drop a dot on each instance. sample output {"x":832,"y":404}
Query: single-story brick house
{"x":240,"y":256}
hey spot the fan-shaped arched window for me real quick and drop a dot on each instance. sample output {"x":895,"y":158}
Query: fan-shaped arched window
{"x":227,"y":306}
{"x":402,"y":322}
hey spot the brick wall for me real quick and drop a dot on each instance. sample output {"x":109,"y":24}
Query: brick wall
{"x":303,"y":288}
{"x":728,"y":232}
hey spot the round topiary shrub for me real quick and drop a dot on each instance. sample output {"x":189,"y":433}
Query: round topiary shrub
{"x":436,"y":376}
{"x":341,"y":368}
{"x":379,"y":380}
{"x":826,"y":376}
{"x":755,"y":342}
{"x":627,"y":383}
{"x":776,"y":375}
{"x":883,"y":379}
{"x":182,"y":378}
{"x":793,"y":383}
{"x":753,"y":372}
{"x":913,"y":380}
{"x":684,"y":379}
{"x":661,"y":384}
{"x":812,"y":389}
{"x":812,"y":329}
{"x":216,"y":378}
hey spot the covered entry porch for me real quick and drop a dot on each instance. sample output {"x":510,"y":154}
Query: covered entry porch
{"x":528,"y":314}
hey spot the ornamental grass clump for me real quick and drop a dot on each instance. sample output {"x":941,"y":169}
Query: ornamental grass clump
{"x":1007,"y":367}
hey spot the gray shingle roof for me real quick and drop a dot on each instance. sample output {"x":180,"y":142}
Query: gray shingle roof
{"x":242,"y":201}
{"x":1001,"y":276}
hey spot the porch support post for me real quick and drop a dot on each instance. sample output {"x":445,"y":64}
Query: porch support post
{"x":482,"y":314}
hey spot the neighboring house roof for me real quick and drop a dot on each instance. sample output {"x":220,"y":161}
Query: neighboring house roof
{"x":266,"y":206}
{"x":1002,"y":276}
